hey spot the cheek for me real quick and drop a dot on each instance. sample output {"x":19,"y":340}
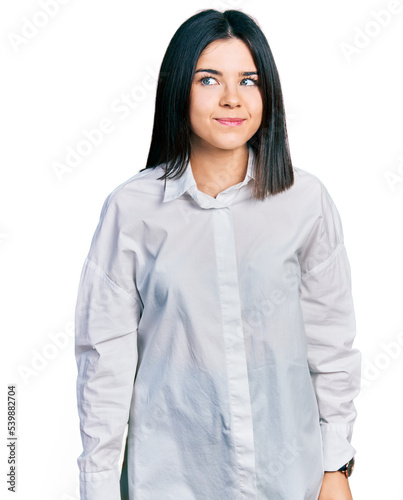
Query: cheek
{"x":199,"y":113}
{"x":200,"y":103}
{"x":256,"y":112}
{"x":256,"y":106}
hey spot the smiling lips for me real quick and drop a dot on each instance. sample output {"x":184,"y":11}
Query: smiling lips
{"x":231,"y":122}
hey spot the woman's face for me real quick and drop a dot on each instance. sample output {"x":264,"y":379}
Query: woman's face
{"x":228,"y":94}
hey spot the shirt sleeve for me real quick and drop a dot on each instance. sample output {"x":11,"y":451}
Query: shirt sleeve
{"x":106,"y":320}
{"x":329,"y":319}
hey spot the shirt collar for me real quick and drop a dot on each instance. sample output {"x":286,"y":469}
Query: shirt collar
{"x":176,"y":187}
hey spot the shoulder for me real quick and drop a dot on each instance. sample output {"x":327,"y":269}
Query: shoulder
{"x":318,"y":202}
{"x":308,"y":201}
{"x":307,"y":180}
{"x":304,"y":195}
{"x":311,"y":188}
{"x":141,"y":191}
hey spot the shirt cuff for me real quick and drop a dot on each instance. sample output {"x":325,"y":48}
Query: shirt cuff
{"x":337,"y":450}
{"x":103,"y":485}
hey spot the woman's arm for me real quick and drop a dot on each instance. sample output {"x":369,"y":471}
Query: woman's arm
{"x":106,"y":354}
{"x":329,"y":319}
{"x":335,"y":487}
{"x":106,"y":320}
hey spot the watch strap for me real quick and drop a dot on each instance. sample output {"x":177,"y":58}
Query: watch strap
{"x":348,"y":468}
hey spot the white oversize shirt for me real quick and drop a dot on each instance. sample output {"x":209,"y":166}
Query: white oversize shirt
{"x":220,"y":330}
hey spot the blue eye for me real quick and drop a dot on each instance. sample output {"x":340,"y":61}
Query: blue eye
{"x":254,"y":82}
{"x":251,"y":80}
{"x":206,"y":78}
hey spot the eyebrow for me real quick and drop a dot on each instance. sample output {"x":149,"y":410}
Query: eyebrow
{"x":215,"y":72}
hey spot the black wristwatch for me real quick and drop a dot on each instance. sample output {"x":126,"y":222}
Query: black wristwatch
{"x":348,"y":468}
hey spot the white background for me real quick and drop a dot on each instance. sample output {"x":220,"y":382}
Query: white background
{"x":343,"y":97}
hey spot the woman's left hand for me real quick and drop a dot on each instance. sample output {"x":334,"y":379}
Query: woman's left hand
{"x":335,"y":487}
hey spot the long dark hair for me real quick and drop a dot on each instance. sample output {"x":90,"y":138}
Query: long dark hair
{"x":170,"y":142}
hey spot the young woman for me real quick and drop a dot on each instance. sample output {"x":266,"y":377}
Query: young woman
{"x":214,"y":313}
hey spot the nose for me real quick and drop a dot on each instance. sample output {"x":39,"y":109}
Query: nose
{"x":230,"y":96}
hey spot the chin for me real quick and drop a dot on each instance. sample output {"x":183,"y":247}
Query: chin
{"x":234,"y":145}
{"x":223,"y":143}
{"x":230,"y":143}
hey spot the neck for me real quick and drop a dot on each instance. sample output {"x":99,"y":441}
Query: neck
{"x":214,"y":170}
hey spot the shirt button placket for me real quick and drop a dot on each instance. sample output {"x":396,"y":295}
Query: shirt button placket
{"x":239,"y":396}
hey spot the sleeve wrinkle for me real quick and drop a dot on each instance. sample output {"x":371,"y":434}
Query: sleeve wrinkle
{"x":330,"y":223}
{"x":87,"y":474}
{"x":323,"y":264}
{"x":113,"y":283}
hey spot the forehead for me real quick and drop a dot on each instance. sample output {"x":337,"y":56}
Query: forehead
{"x":227,"y":53}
